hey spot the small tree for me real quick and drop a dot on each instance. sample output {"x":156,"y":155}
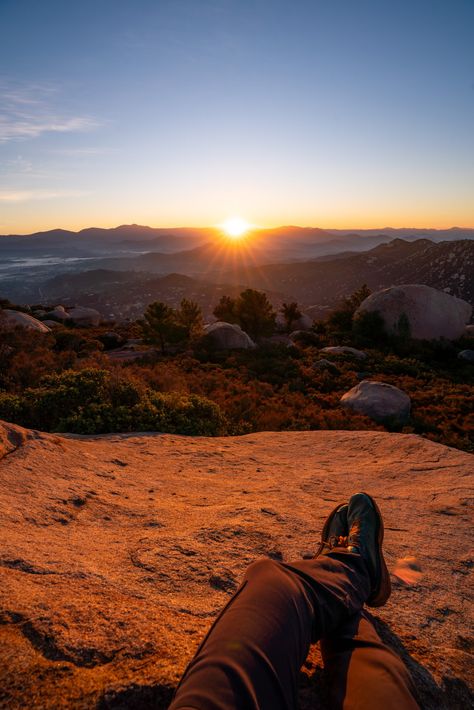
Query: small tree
{"x":255,"y":313}
{"x":291,"y":313}
{"x":341,"y":319}
{"x":226,"y":310}
{"x":369,"y":328}
{"x":159,"y":325}
{"x":357,"y":297}
{"x":189,"y":317}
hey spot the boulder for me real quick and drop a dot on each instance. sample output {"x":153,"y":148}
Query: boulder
{"x":467,"y":355}
{"x":17,"y":318}
{"x":324,"y":364}
{"x":469,"y":331}
{"x":228,"y":336}
{"x":51,"y":323}
{"x":430,"y":314}
{"x":379,"y":401}
{"x":304,"y":322}
{"x":85,"y":316}
{"x":344,"y":350}
{"x":58,"y":313}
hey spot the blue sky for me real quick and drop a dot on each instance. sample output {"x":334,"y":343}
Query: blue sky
{"x":339,"y":113}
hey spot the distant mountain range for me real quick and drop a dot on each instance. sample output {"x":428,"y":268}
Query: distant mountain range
{"x":121,"y":270}
{"x":205,"y":273}
{"x":279,"y":244}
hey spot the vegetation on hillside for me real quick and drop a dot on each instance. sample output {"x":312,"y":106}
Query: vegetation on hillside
{"x":66,"y":381}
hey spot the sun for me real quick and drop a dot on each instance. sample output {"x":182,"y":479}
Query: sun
{"x":235,"y":227}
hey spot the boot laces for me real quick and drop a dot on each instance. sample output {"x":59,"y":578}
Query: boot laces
{"x":337,"y":541}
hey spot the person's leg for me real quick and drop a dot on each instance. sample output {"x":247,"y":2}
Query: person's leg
{"x":363,"y":673}
{"x":253,"y":653}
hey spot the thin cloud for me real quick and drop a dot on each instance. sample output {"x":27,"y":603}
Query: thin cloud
{"x":83,"y":151}
{"x":13,"y":196}
{"x":28,"y":112}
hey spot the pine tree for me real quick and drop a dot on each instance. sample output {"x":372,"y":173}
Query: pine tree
{"x":291,"y":313}
{"x":189,"y":317}
{"x":159,"y":325}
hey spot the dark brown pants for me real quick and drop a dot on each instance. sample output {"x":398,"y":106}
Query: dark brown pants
{"x":251,"y":657}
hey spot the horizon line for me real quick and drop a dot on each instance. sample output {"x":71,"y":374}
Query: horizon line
{"x":254,"y":229}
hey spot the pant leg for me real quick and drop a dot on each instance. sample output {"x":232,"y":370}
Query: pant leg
{"x":363,"y":673}
{"x":251,"y":658}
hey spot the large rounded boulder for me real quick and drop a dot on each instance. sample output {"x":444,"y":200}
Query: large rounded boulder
{"x":11,"y":319}
{"x":419,"y":311}
{"x":228,"y":336}
{"x":86,"y":317}
{"x":379,"y":401}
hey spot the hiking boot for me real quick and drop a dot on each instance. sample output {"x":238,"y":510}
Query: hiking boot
{"x":334,"y":533}
{"x":365,"y":524}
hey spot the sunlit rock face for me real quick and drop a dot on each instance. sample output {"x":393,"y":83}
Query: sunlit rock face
{"x":12,"y":319}
{"x":228,"y":336}
{"x":429,"y":313}
{"x":379,"y":401}
{"x":118,"y":551}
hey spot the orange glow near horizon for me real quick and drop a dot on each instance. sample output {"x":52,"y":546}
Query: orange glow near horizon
{"x":38,"y":220}
{"x":235,"y":228}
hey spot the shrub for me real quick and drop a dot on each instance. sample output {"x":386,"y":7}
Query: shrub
{"x":369,"y":328}
{"x":11,"y":407}
{"x":96,"y":402}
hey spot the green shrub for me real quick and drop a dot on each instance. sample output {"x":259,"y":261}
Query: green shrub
{"x":95,"y":402}
{"x":11,"y":408}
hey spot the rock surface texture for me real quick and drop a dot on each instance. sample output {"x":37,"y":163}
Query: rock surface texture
{"x":118,"y":551}
{"x":431,"y":314}
{"x":17,"y":318}
{"x":87,"y":317}
{"x":228,"y":336}
{"x":379,"y":401}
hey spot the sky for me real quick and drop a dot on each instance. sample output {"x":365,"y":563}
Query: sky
{"x":328,"y":113}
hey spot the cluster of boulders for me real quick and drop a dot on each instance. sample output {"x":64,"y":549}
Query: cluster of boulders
{"x":44,"y":321}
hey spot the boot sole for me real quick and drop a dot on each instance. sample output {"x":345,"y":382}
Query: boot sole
{"x":326,"y":526}
{"x":382,"y":592}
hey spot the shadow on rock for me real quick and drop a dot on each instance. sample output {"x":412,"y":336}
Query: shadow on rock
{"x":451,"y":694}
{"x":138,"y":697}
